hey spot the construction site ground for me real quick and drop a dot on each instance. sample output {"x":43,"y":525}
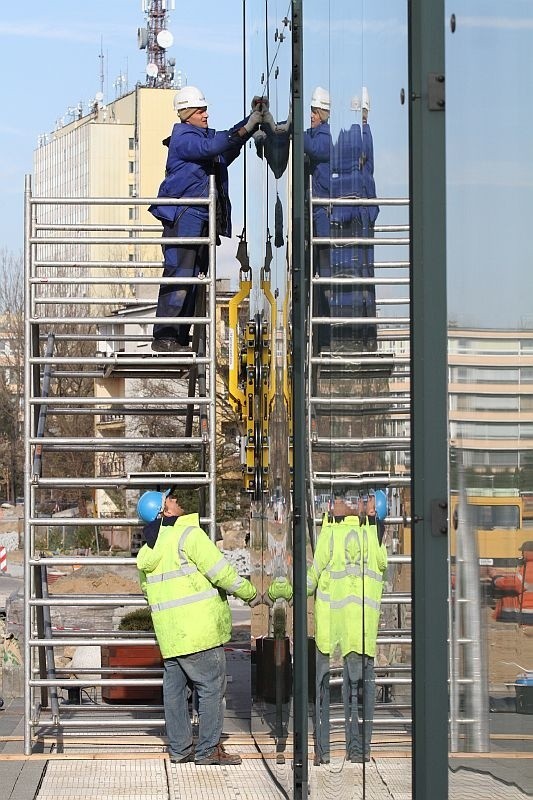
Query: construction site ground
{"x":116,"y":765}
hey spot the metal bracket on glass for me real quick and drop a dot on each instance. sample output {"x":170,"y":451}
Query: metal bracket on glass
{"x":436,"y":83}
{"x":439,"y":518}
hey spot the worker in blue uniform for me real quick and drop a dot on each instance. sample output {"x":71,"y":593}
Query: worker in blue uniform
{"x":318,"y":147}
{"x":195,"y":152}
{"x":353,"y":177}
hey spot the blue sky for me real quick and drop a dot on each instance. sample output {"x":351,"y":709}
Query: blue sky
{"x":49,"y":61}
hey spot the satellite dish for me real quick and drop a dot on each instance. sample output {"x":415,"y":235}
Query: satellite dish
{"x":99,"y":96}
{"x":165,"y":39}
{"x":142,"y":38}
{"x":152,"y":70}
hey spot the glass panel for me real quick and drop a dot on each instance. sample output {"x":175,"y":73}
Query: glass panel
{"x":489,"y":155}
{"x":356,"y":146}
{"x":267,"y":348}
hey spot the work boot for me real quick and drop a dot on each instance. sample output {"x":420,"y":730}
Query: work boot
{"x":219,"y":758}
{"x":184,"y":759}
{"x":162,"y":345}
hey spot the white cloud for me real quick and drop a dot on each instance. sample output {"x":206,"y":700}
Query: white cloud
{"x":86,"y":32}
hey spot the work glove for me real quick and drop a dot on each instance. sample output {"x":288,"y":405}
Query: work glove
{"x":256,"y":601}
{"x":268,"y":121}
{"x":260,"y":104}
{"x":280,"y":589}
{"x":253,"y":121}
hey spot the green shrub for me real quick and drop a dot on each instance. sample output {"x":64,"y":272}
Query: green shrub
{"x":138,"y":620}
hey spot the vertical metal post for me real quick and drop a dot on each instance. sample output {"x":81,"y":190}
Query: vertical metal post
{"x":299,"y":294}
{"x":28,"y":342}
{"x":429,"y":398}
{"x":211,"y":344}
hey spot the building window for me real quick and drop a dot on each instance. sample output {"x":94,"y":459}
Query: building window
{"x":131,"y":167}
{"x":131,"y":143}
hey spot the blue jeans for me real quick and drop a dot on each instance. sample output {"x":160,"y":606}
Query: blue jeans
{"x":206,"y":672}
{"x":358,"y":671}
{"x":322,"y":706}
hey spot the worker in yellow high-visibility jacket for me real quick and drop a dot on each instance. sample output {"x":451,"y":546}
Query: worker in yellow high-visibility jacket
{"x":185,"y":578}
{"x":347,"y":575}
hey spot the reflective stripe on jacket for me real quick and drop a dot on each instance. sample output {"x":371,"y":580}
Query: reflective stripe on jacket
{"x":185,"y":578}
{"x":347,"y":575}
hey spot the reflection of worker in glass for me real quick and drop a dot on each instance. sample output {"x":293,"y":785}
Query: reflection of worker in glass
{"x":195,"y":152}
{"x":347,"y":575}
{"x":353,"y":177}
{"x":317,"y":148}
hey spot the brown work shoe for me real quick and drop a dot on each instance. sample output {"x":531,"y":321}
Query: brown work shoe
{"x":219,"y":758}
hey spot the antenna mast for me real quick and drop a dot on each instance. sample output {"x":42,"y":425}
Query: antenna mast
{"x":156,"y":39}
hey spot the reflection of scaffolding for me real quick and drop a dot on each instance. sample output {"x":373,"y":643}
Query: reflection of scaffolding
{"x":358,"y":422}
{"x":87,"y":433}
{"x":469,"y":694}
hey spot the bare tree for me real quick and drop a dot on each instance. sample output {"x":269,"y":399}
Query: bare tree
{"x":11,"y":372}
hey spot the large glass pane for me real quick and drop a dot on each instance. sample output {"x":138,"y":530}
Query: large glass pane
{"x":489,"y":78}
{"x":356,"y":148}
{"x":266,"y":340}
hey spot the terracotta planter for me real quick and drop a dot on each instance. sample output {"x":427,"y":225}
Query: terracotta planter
{"x":137,"y":655}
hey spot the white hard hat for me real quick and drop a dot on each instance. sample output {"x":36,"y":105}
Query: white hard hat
{"x":189,"y":97}
{"x":356,"y":104}
{"x":320,"y":99}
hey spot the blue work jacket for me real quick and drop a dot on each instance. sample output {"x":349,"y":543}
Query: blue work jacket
{"x":194,"y":154}
{"x":318,"y":147}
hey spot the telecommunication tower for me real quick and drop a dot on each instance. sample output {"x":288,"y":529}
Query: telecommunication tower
{"x":156,"y":39}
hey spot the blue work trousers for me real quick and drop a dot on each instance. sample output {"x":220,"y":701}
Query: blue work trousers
{"x":181,"y":261}
{"x":206,"y":672}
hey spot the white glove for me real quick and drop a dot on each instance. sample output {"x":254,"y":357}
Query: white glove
{"x":257,"y":600}
{"x":268,"y":121}
{"x":253,"y":121}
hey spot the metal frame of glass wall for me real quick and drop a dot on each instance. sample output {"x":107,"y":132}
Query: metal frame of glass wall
{"x":425,"y":95}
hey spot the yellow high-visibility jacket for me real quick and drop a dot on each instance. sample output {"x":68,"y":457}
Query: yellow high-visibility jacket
{"x":185,"y":578}
{"x":347,"y":575}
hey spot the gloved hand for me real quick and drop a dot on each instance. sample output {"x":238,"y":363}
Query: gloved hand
{"x":268,"y":121}
{"x":280,"y":589}
{"x":253,"y":121}
{"x":259,"y":103}
{"x":256,"y":601}
{"x":283,"y":127}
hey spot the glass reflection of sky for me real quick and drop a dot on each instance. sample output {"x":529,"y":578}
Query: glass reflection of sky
{"x":489,"y":86}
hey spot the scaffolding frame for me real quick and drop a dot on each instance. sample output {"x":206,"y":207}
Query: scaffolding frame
{"x":66,"y":317}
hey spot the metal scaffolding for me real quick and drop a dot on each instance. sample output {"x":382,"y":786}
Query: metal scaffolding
{"x":87,"y":357}
{"x":358,"y":403}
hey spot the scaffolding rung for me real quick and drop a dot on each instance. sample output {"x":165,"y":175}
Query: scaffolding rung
{"x":360,"y":201}
{"x":89,"y":600}
{"x":123,"y":201}
{"x":125,"y":281}
{"x":195,"y":480}
{"x":353,"y":281}
{"x":123,"y":359}
{"x":333,"y":401}
{"x":97,"y":442}
{"x":120,"y":401}
{"x":81,"y":722}
{"x":133,"y":320}
{"x":344,"y":443}
{"x":82,"y":640}
{"x":117,"y":240}
{"x":354,"y":240}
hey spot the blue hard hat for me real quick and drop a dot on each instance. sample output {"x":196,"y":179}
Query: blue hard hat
{"x":151,"y":504}
{"x":381,"y":503}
